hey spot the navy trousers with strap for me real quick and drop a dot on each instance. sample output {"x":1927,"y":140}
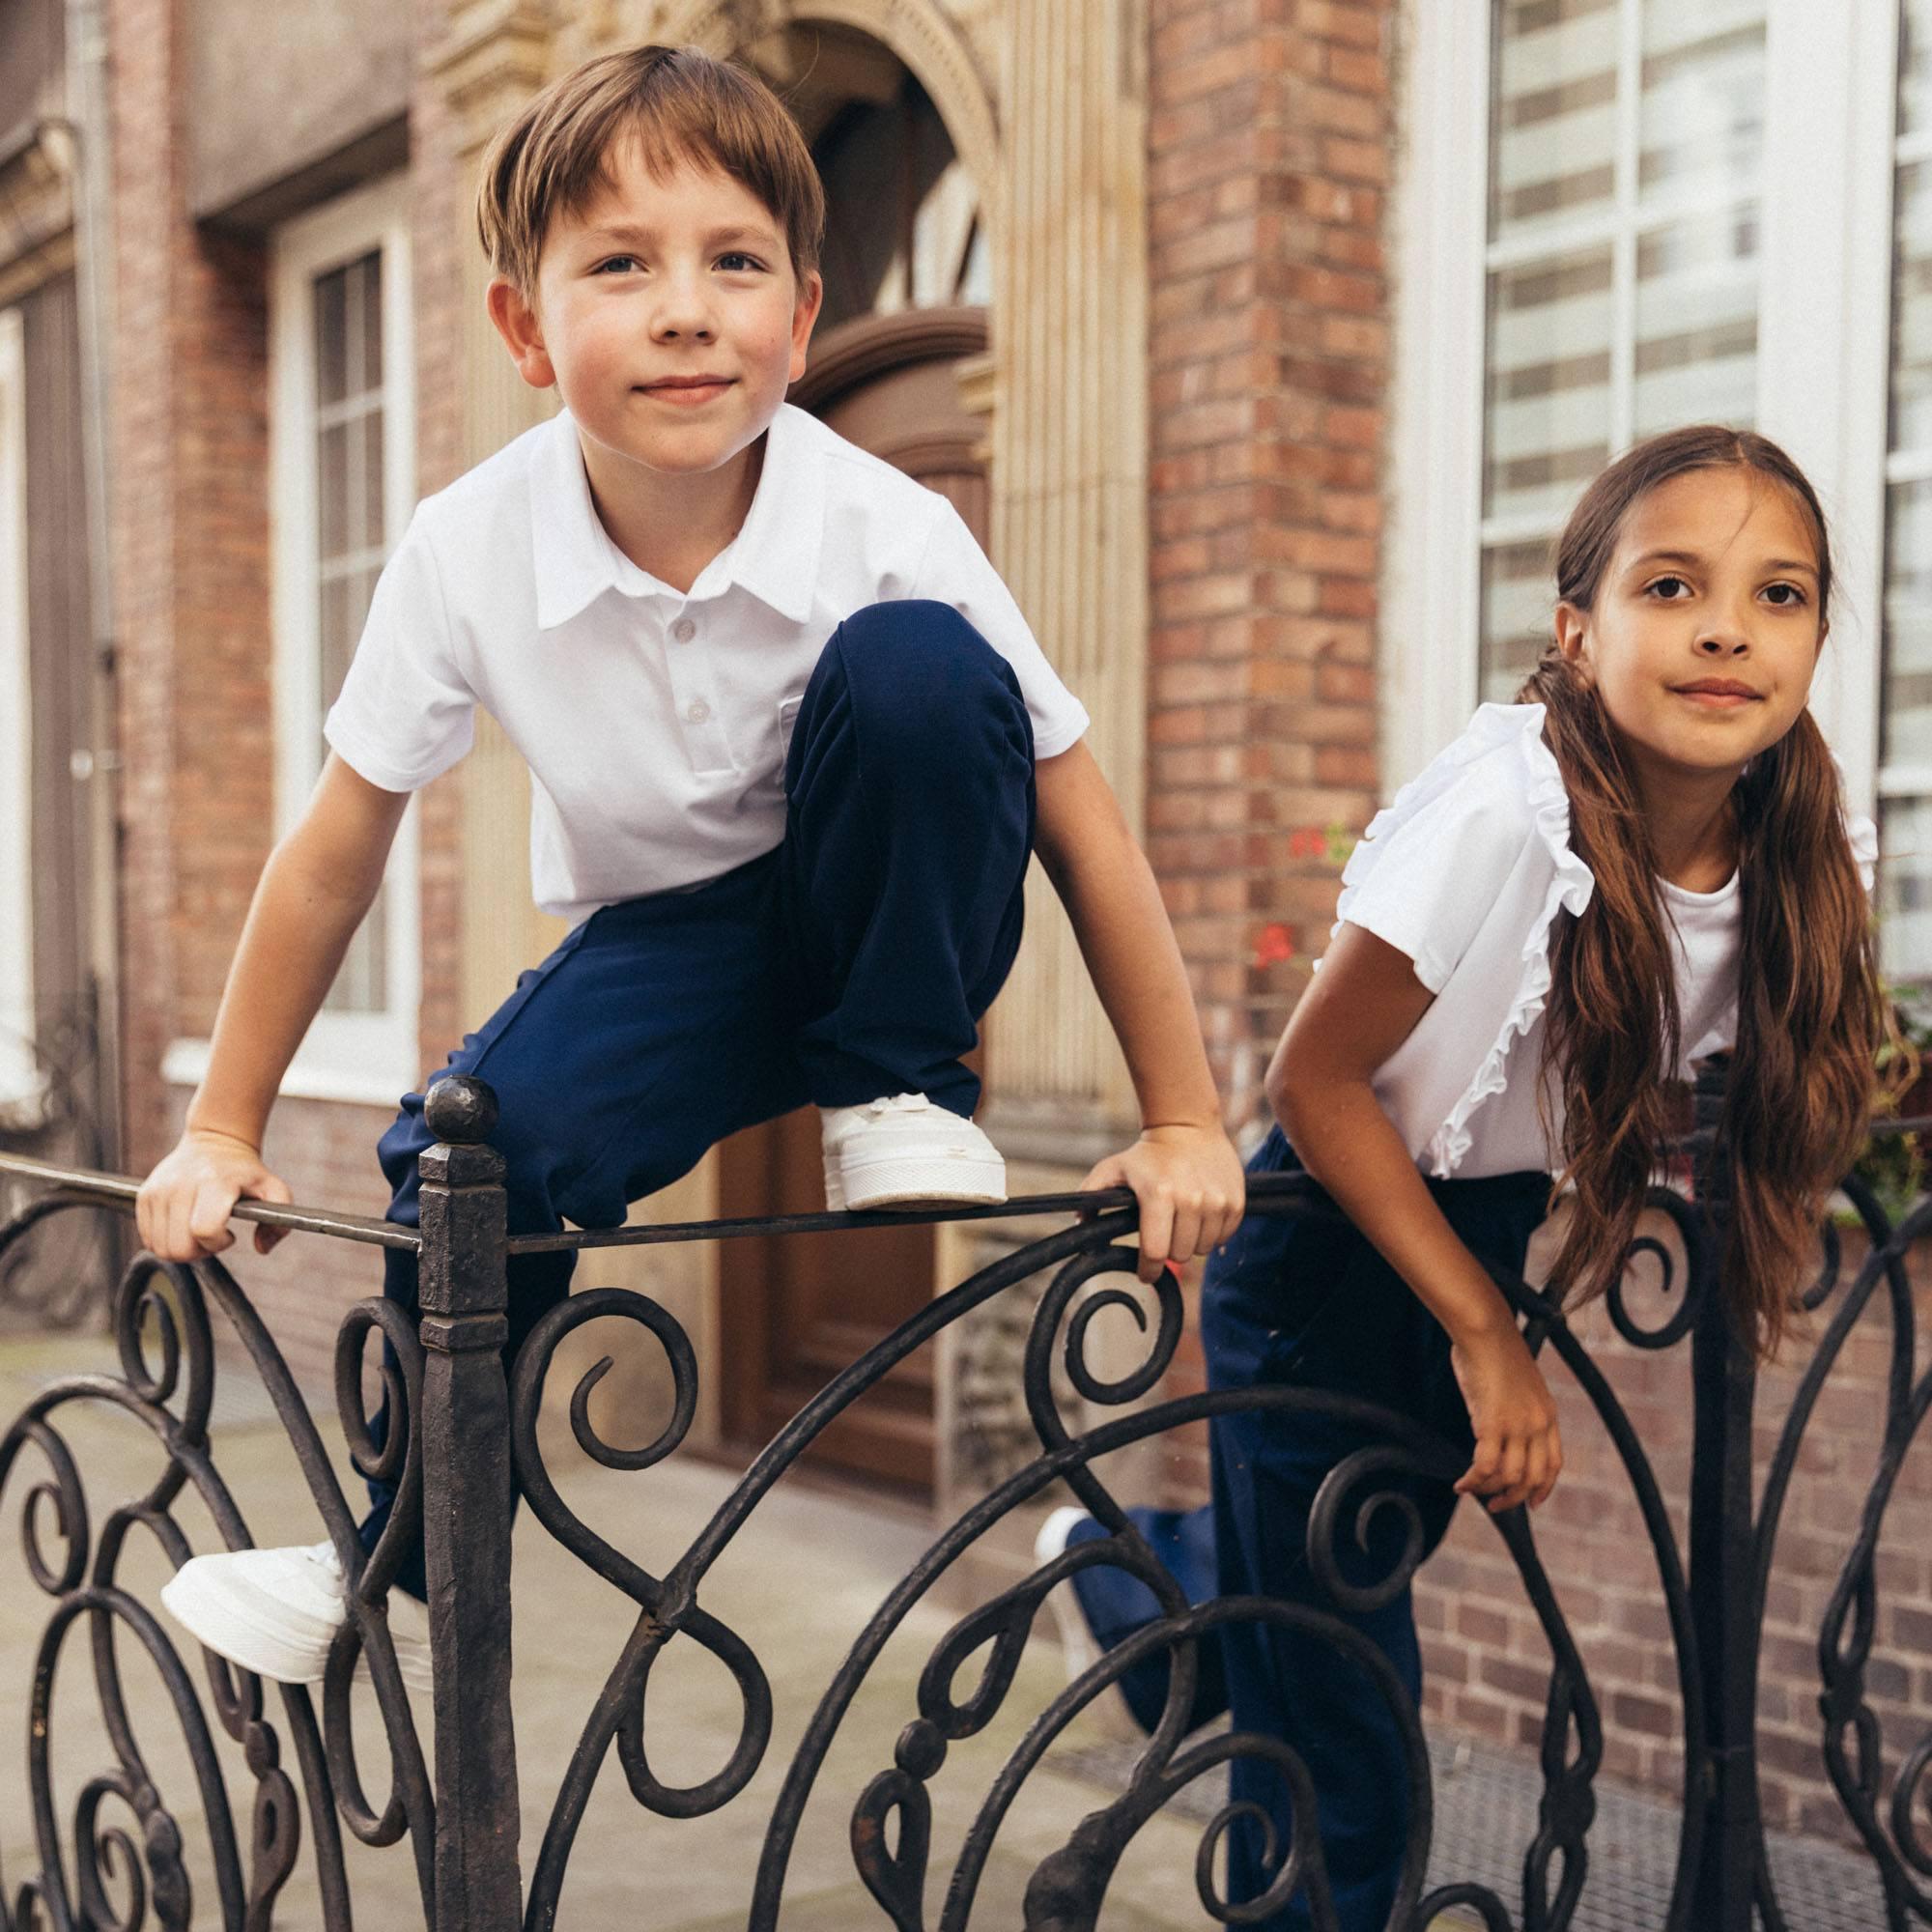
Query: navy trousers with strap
{"x":1307,"y":1300}
{"x":852,"y":961}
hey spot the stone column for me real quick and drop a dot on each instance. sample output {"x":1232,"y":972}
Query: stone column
{"x":1069,"y":440}
{"x":495,"y":55}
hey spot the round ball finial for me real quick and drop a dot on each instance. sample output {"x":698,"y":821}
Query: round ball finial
{"x":461,"y":1109}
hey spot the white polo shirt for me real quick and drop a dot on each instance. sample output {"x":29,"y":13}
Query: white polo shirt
{"x":654,"y":721}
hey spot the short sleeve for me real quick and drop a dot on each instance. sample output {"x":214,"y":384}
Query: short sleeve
{"x":1434,"y":878}
{"x":956,"y":571}
{"x":1486,"y":824}
{"x":405,"y":713}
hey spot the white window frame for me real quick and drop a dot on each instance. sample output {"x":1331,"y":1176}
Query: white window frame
{"x":362,"y":1057}
{"x":21,"y":1082}
{"x":1824,"y":344}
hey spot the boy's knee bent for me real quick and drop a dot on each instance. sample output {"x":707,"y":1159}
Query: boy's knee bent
{"x":919,"y":675}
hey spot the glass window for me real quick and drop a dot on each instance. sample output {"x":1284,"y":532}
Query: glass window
{"x":1626,"y":150}
{"x":1904,"y":774}
{"x":341,"y":429}
{"x":346,"y":321}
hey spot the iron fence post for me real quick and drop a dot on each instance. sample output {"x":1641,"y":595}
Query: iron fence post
{"x":466,"y":1426}
{"x":1725,"y":1386}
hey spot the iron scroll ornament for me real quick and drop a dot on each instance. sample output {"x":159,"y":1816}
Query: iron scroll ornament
{"x":121,"y":1876}
{"x":891,"y":1826}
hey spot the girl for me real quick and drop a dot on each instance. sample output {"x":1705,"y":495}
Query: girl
{"x":1642,"y":862}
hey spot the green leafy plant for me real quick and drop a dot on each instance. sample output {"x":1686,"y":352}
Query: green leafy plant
{"x":1893,"y":1163}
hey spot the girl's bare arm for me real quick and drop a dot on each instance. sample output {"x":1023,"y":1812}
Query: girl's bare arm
{"x":1362,"y":1004}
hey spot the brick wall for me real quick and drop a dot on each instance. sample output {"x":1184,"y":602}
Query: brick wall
{"x":440,"y":192}
{"x":1270,"y":139}
{"x":191,"y":535}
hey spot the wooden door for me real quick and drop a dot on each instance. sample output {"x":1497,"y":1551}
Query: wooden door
{"x":799,"y":1308}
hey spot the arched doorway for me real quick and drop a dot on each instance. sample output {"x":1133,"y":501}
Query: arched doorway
{"x":907,"y":290}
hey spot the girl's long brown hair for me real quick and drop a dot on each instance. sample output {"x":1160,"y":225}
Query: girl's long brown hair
{"x":1811,"y":1011}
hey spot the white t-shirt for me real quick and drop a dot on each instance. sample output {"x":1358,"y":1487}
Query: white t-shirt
{"x":654,"y":721}
{"x":1466,"y":874}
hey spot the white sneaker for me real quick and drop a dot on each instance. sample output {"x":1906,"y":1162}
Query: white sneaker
{"x":277,"y":1612}
{"x":1080,"y":1650}
{"x":904,"y":1150}
{"x":1076,"y":1639}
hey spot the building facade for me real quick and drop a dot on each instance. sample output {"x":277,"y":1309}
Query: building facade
{"x":1266,"y":342}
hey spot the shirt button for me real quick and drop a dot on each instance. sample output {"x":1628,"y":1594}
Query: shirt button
{"x":698,"y":711}
{"x":684,"y":630}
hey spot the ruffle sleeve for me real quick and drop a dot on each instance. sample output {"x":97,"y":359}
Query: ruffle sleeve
{"x":1473,"y":858}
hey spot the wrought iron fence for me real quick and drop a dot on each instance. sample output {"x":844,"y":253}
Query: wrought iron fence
{"x":462,"y":1435}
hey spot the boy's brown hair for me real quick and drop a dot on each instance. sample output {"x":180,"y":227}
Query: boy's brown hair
{"x":679,"y":105}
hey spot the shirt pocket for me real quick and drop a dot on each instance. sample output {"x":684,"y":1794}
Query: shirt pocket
{"x":787,"y":724}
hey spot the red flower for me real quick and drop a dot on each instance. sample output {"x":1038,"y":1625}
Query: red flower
{"x":1273,"y":945}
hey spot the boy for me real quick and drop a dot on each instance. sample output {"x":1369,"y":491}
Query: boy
{"x":790,"y":742}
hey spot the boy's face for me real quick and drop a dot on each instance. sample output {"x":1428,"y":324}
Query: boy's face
{"x":668,"y":315}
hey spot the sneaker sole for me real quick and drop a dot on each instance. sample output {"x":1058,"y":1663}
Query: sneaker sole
{"x":915,"y":1181}
{"x":218,"y":1622}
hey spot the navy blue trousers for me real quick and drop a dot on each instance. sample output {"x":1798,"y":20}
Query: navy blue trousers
{"x":1307,"y":1300}
{"x":852,"y":961}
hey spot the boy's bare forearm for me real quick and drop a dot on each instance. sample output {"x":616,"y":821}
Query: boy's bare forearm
{"x":1116,"y":911}
{"x":1114,"y":904}
{"x":297,"y":930}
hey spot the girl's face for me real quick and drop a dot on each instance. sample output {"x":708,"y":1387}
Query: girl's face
{"x":1705,"y":629}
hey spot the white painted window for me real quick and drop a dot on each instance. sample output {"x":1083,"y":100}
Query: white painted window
{"x":1905,"y":769}
{"x":343,"y":481}
{"x":21,"y":1084}
{"x":1618,"y":215}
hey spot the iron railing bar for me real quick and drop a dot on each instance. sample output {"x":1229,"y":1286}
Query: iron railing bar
{"x":118,"y":1190}
{"x":813,"y":1224}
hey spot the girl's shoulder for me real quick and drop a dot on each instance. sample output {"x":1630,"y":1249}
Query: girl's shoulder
{"x":1493,"y":789}
{"x":1479,"y":836}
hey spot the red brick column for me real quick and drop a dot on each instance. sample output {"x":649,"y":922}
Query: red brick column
{"x":1270,"y":131}
{"x":190,"y":552}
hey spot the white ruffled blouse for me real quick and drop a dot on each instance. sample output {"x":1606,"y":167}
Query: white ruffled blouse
{"x":1466,"y":873}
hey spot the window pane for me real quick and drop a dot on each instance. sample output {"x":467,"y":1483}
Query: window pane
{"x":1908,"y":627}
{"x":331,"y":458}
{"x":1548,"y":398}
{"x":1905,"y":890}
{"x":371,"y":536}
{"x":1912,"y":312}
{"x":331,"y":336}
{"x":1518,"y":594}
{"x":359,"y":986}
{"x":1915,"y":68}
{"x":1703,"y":97}
{"x":1696,"y":321}
{"x":1555,"y":112}
{"x":370,"y":291}
{"x":1905,"y":822}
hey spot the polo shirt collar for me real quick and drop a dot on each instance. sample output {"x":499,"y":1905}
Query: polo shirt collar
{"x":775,"y":554}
